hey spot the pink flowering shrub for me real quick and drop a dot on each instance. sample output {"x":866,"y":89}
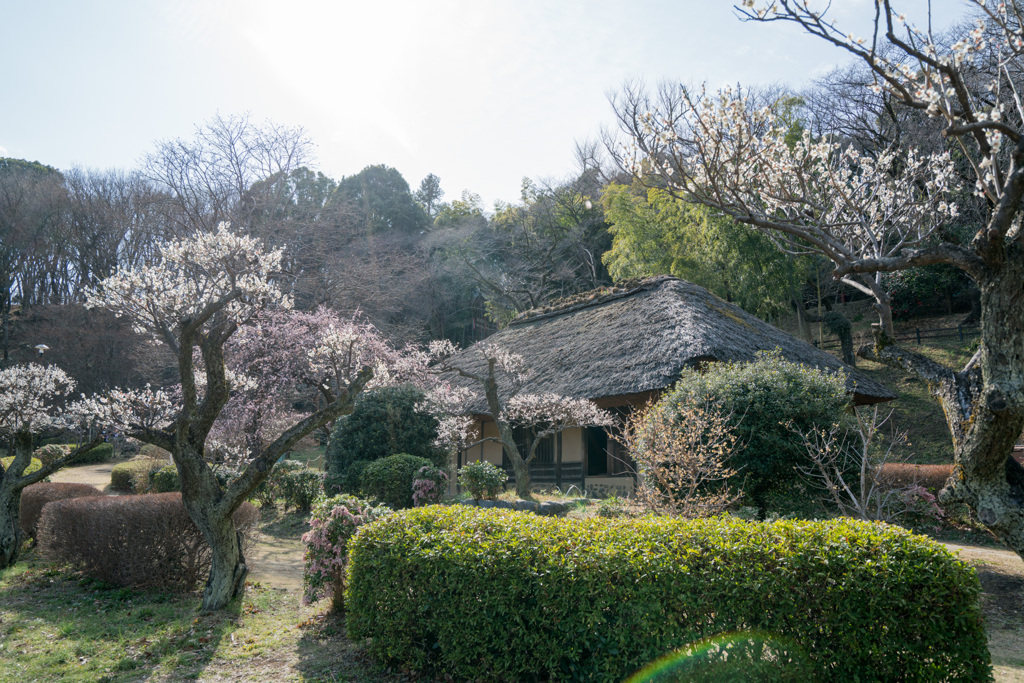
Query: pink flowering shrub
{"x":922,"y":503}
{"x":429,"y":486}
{"x":334,"y":521}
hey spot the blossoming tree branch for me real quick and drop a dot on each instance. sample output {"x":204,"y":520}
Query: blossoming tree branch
{"x":201,"y":294}
{"x":31,"y":398}
{"x":501,"y":381}
{"x":884,"y":213}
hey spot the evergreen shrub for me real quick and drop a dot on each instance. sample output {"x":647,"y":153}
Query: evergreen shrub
{"x":384,"y":422}
{"x":504,"y":596}
{"x":135,"y":476}
{"x":483,"y":480}
{"x":34,"y":497}
{"x":389,"y":480}
{"x":141,"y":541}
{"x":34,"y":465}
{"x":165,"y":480}
{"x":297,"y":484}
{"x":99,"y":454}
{"x":770,"y":402}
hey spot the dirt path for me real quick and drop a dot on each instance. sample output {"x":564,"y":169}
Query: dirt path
{"x":276,"y":562}
{"x":94,"y":475}
{"x":1002,"y":582}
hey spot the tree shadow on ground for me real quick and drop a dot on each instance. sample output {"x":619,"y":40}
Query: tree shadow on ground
{"x":326,"y":653}
{"x":286,"y":525}
{"x":92,"y":630}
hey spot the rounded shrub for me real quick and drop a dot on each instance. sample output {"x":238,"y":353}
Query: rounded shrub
{"x":384,"y":422}
{"x":165,"y":480}
{"x":135,"y":476}
{"x":334,"y":521}
{"x":141,"y":541}
{"x":34,"y":497}
{"x":499,"y":595}
{"x":101,"y":453}
{"x":770,"y":402}
{"x":482,"y":479}
{"x":98,"y":454}
{"x":297,"y":484}
{"x":389,"y":480}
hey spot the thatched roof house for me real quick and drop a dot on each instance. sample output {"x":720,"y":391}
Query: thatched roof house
{"x":623,"y":345}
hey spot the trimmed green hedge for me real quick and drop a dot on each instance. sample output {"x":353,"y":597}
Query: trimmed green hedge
{"x":496,"y":595}
{"x":165,"y":480}
{"x":101,"y":453}
{"x":389,"y":479}
{"x":135,"y":476}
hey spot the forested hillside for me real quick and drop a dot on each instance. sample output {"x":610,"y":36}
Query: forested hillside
{"x":420,"y":264}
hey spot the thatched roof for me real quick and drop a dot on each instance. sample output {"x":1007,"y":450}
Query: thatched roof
{"x":631,"y":341}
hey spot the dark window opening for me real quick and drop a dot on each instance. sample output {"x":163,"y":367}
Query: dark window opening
{"x":605,"y":455}
{"x":597,"y":451}
{"x":545,"y":449}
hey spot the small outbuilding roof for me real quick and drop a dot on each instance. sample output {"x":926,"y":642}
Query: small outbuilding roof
{"x":636,"y":339}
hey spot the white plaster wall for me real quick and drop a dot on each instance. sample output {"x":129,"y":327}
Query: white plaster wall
{"x":572,"y":445}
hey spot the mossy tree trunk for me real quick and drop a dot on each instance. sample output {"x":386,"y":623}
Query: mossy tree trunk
{"x":11,"y":536}
{"x":984,"y":406}
{"x":13,"y":481}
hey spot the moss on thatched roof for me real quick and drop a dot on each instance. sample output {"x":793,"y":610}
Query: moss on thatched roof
{"x":638,"y":338}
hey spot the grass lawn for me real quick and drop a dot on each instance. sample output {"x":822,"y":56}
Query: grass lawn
{"x":56,"y":625}
{"x":311,"y":456}
{"x":915,"y":411}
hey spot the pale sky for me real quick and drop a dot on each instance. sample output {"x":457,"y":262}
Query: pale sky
{"x":480,"y":93}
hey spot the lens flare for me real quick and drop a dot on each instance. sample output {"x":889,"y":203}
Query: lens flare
{"x":749,"y":657}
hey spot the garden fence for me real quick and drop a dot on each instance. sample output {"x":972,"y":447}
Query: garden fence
{"x":918,"y":335}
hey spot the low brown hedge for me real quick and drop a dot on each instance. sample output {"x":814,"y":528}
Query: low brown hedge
{"x":928,"y":476}
{"x":34,"y":497}
{"x":145,"y":541}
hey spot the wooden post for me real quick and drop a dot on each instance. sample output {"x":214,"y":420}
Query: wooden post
{"x":558,"y":461}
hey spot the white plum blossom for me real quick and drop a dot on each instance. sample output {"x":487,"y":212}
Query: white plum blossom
{"x":193,"y":276}
{"x":458,"y":407}
{"x":27,"y":396}
{"x":456,"y":427}
{"x":808,"y":195}
{"x":553,"y":413}
{"x":131,"y":410}
{"x":929,"y":75}
{"x":512,"y":364}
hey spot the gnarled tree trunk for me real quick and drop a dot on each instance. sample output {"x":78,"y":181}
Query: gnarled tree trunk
{"x":206,"y":505}
{"x":11,"y":536}
{"x":986,"y":476}
{"x":984,"y":407}
{"x":12,"y":482}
